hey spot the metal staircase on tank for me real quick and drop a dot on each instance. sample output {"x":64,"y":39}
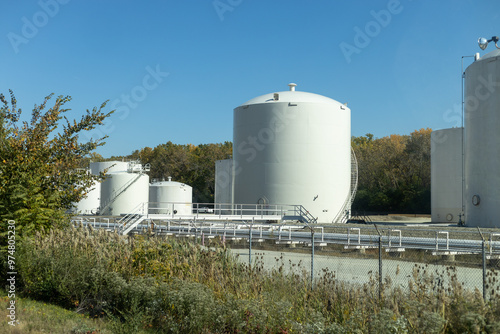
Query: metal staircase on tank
{"x":301,"y":214}
{"x":131,"y":220}
{"x":344,"y":213}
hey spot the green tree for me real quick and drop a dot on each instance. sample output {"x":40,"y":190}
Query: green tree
{"x":205,"y":157}
{"x":39,"y":166}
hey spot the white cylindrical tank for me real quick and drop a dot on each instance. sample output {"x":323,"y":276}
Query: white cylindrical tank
{"x":169,"y":197}
{"x":446,"y":175}
{"x":89,"y":205}
{"x":112,"y":166}
{"x":482,"y":141}
{"x":293,"y":147}
{"x":123,"y":193}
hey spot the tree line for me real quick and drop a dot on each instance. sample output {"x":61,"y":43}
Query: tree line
{"x":394,"y":173}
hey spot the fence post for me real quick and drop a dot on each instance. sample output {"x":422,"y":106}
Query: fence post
{"x":379,"y":264}
{"x":484,"y":269}
{"x":250,"y":244}
{"x":312,"y":258}
{"x":483,"y":253}
{"x":195,"y":231}
{"x":380,"y":268}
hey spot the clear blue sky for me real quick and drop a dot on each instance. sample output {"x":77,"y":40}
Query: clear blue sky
{"x":175,"y":70}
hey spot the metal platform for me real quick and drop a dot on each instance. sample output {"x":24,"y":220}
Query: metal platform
{"x":207,"y":212}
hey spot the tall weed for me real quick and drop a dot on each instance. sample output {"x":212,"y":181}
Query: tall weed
{"x":177,"y":286}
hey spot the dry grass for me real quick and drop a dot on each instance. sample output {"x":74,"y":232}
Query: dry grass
{"x":177,"y":286}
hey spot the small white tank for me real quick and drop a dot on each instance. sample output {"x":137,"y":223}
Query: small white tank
{"x":446,"y":175}
{"x":123,"y":193}
{"x":167,"y":197}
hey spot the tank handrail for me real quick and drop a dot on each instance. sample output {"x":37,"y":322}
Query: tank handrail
{"x":224,"y":210}
{"x":125,"y":220}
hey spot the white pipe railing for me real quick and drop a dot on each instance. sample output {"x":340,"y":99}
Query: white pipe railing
{"x":447,"y":239}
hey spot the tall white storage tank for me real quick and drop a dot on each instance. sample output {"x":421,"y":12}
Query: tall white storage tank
{"x":293,"y":147}
{"x":169,"y":197}
{"x":122,"y":193}
{"x":482,"y":141}
{"x":446,"y":175}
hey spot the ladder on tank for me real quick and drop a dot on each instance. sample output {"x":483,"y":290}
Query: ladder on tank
{"x":343,"y":215}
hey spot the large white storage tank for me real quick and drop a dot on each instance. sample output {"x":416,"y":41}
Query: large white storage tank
{"x":447,"y":175}
{"x":125,"y":192}
{"x":170,"y":197}
{"x":482,"y":141}
{"x":293,"y":147}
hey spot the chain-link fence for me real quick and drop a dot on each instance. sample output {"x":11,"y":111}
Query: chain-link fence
{"x":392,"y":256}
{"x":386,"y":256}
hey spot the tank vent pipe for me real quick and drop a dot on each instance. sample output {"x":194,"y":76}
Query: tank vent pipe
{"x":169,"y":179}
{"x":292,"y":86}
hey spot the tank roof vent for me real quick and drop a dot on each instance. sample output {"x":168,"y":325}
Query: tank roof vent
{"x":169,"y":179}
{"x":292,"y":86}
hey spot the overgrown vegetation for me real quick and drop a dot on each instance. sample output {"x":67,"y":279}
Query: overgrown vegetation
{"x":176,"y":286}
{"x":39,"y":179}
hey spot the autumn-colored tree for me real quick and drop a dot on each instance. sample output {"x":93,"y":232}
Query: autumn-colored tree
{"x":39,"y":166}
{"x":394,"y":173}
